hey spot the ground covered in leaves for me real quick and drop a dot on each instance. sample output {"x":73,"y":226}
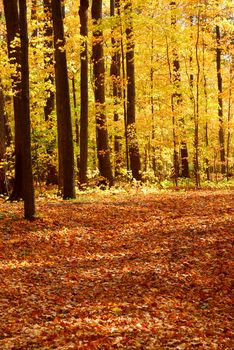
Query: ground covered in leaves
{"x":118,"y":271}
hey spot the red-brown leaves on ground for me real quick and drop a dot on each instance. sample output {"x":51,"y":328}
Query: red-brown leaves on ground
{"x":122,"y":272}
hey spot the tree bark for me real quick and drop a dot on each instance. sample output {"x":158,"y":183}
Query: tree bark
{"x":3,"y":186}
{"x":116,"y":88}
{"x":229,"y":115}
{"x":48,"y":59}
{"x":103,"y":151}
{"x":52,"y":174}
{"x":133,"y":147}
{"x":220,"y":100}
{"x":28,"y":187}
{"x":65,"y":140}
{"x":83,"y":13}
{"x":12,"y":25}
{"x":177,"y":97}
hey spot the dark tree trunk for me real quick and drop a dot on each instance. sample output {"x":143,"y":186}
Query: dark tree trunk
{"x":133,"y":147}
{"x":52,"y":175}
{"x":28,"y":187}
{"x":229,"y":116}
{"x":116,"y":88}
{"x":174,"y":129}
{"x":124,"y":95}
{"x":77,"y":126}
{"x":196,"y":164}
{"x":177,"y":97}
{"x":103,"y":151}
{"x":220,"y":100}
{"x":65,"y":140}
{"x":83,"y":13}
{"x":152,"y":106}
{"x":48,"y":59}
{"x":12,"y":25}
{"x":207,"y":163}
{"x":3,"y":185}
{"x":3,"y":139}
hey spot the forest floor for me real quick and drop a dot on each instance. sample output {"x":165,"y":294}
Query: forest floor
{"x":124,"y":271}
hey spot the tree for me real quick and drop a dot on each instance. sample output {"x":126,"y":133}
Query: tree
{"x":177,"y":97}
{"x":149,"y":113}
{"x":83,"y":13}
{"x":28,"y":187}
{"x":134,"y":154}
{"x":103,"y":151}
{"x":230,"y":103}
{"x":220,"y":99}
{"x":64,"y":124}
{"x":115,"y":77}
{"x":52,"y":176}
{"x":48,"y":59}
{"x":12,"y":25}
{"x":3,"y":186}
{"x":16,"y":23}
{"x":197,"y":107}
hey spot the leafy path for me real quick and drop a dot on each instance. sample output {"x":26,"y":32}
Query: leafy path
{"x":140,"y":271}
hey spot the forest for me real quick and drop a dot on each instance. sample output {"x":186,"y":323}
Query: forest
{"x":116,"y":174}
{"x":111,"y":92}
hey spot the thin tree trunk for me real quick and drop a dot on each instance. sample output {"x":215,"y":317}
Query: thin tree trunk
{"x":3,"y":138}
{"x":152,"y":106}
{"x":52,"y":175}
{"x":3,"y":185}
{"x":177,"y":97}
{"x":83,"y":13}
{"x":28,"y":187}
{"x":116,"y":88}
{"x":133,"y":147}
{"x":207,"y":165}
{"x":124,"y":97}
{"x":229,"y":116}
{"x":103,"y":151}
{"x":174,"y":131}
{"x":220,"y":100}
{"x":196,"y":109}
{"x":77,"y":126}
{"x":48,"y":60}
{"x":65,"y":140}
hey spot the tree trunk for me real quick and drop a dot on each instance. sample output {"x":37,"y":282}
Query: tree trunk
{"x":229,"y":115}
{"x":28,"y":187}
{"x":133,"y":147}
{"x":174,"y":129}
{"x":153,"y":155}
{"x":65,"y":141}
{"x":116,"y":88}
{"x":124,"y":95}
{"x":197,"y":110}
{"x":3,"y":186}
{"x":83,"y":13}
{"x":52,"y":175}
{"x":48,"y":59}
{"x":12,"y":25}
{"x":220,"y":100}
{"x":103,"y":151}
{"x":207,"y":163}
{"x":177,"y":97}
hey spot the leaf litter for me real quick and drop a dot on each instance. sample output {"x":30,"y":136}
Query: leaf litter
{"x":140,"y":271}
